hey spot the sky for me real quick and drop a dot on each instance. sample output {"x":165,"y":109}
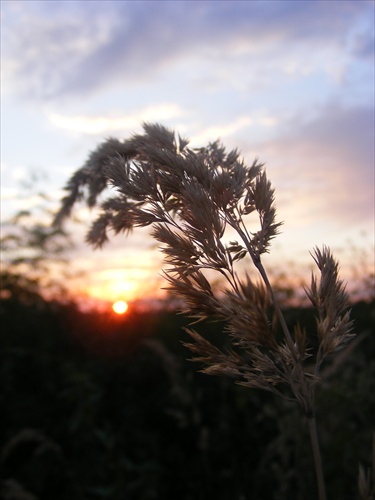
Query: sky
{"x":289,"y":82}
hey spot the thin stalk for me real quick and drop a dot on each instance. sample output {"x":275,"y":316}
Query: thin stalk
{"x":308,"y":406}
{"x":311,"y":419}
{"x":279,"y":313}
{"x":309,"y":401}
{"x":258,"y":264}
{"x":317,"y":458}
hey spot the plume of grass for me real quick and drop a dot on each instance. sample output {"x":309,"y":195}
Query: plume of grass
{"x":190,"y":198}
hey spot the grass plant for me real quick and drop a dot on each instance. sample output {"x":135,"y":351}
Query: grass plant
{"x":192,"y":199}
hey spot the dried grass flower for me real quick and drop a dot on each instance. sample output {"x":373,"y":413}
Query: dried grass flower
{"x":190,"y":198}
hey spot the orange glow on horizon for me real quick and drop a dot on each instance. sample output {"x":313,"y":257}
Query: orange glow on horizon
{"x":111,"y":285}
{"x":120,"y":307}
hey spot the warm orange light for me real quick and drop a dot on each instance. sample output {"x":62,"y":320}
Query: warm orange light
{"x":120,"y":307}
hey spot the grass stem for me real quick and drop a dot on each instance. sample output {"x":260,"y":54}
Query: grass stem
{"x":317,"y":458}
{"x":279,"y":313}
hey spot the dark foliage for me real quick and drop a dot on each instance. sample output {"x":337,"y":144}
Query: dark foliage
{"x":94,"y":407}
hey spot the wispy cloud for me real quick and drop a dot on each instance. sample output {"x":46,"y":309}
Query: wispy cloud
{"x":79,"y":47}
{"x":325,"y":166}
{"x":222,"y":131}
{"x":104,"y":124}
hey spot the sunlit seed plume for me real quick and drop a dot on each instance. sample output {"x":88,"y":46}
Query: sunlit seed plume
{"x":191,"y":198}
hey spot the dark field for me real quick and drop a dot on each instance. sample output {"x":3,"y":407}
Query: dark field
{"x":97,"y":407}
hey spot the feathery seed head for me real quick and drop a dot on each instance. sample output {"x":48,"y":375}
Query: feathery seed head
{"x":190,"y":197}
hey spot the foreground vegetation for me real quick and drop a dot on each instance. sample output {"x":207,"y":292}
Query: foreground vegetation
{"x":105,"y":408}
{"x":100,"y":407}
{"x":196,"y":201}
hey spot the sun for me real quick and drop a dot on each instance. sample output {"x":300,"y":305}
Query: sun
{"x":120,"y":307}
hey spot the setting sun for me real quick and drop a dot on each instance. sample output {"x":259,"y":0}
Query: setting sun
{"x":120,"y":307}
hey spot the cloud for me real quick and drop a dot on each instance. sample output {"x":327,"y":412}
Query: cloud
{"x":324,"y":167}
{"x":213,"y":133}
{"x":228,"y":130}
{"x":72,"y":48}
{"x":102,"y":125}
{"x":42,"y":50}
